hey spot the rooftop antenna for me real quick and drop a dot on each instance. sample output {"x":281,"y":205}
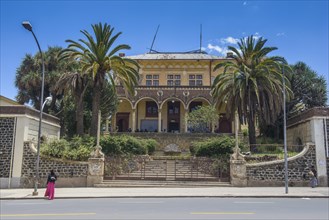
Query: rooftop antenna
{"x":200,"y":37}
{"x":154,"y":38}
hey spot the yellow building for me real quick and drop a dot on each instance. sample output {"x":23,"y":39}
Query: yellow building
{"x":170,"y":86}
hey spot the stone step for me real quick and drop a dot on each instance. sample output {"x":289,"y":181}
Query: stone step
{"x":145,"y":183}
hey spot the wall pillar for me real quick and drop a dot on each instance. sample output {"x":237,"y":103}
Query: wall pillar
{"x":159,"y":120}
{"x":238,"y":169}
{"x":318,"y":133}
{"x":95,"y":171}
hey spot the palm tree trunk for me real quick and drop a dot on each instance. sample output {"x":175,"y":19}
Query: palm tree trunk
{"x":251,"y":124}
{"x":79,"y":117}
{"x":252,"y":133}
{"x":95,"y":108}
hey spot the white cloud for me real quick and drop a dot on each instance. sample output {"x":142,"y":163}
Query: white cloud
{"x":256,"y":36}
{"x":229,"y":40}
{"x":216,"y":48}
{"x":280,"y":34}
{"x":244,"y":3}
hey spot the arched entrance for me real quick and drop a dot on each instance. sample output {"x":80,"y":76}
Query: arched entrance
{"x":224,"y":125}
{"x":122,"y":119}
{"x":173,"y":116}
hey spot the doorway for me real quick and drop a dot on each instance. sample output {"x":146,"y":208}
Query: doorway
{"x":173,"y":116}
{"x":122,"y":121}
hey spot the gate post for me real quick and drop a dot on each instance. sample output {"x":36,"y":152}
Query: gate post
{"x":238,"y":169}
{"x":96,"y":161}
{"x":95,"y":171}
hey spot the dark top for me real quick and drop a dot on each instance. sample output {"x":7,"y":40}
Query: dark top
{"x":51,"y":178}
{"x":314,"y":171}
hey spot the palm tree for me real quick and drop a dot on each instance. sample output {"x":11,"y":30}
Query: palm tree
{"x":251,"y":84}
{"x":98,"y":59}
{"x":77,"y":84}
{"x":28,"y":77}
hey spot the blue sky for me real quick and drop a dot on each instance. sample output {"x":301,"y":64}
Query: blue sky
{"x":298,"y":28}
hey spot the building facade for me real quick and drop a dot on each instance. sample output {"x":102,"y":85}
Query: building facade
{"x":170,"y":86}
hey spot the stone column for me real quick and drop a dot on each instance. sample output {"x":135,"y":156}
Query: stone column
{"x":96,"y":161}
{"x":238,"y":172}
{"x":185,"y":122}
{"x":133,"y":121}
{"x":114,"y":123}
{"x":95,"y":171}
{"x":159,"y":120}
{"x":238,"y":168}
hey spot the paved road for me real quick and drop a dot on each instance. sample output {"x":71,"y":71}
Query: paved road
{"x":167,"y":208}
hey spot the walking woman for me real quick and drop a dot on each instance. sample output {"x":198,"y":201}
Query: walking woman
{"x":313,"y":176}
{"x":50,"y":192}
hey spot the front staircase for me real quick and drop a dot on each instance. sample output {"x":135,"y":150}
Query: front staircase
{"x":167,"y":184}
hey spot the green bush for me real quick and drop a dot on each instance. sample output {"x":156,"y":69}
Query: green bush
{"x":55,"y":148}
{"x":214,"y":147}
{"x":123,"y":144}
{"x":193,"y":149}
{"x":78,"y":148}
{"x":151,"y":145}
{"x":111,"y":145}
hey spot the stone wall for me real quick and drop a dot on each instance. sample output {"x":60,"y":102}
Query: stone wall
{"x":273,"y":173}
{"x":70,"y":173}
{"x":7,"y":131}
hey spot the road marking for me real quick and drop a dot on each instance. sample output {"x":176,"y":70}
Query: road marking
{"x":47,"y":214}
{"x":25,"y":203}
{"x":222,"y":213}
{"x":139,"y":202}
{"x":253,"y":202}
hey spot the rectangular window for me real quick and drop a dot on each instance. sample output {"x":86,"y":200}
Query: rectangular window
{"x":174,"y":80}
{"x":152,"y":80}
{"x":195,"y":80}
{"x":149,"y":82}
{"x":177,"y":82}
{"x":151,"y":109}
{"x":191,"y":82}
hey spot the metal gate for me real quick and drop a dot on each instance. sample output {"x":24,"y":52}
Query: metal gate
{"x":166,"y":169}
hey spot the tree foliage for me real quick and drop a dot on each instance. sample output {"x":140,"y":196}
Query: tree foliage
{"x":29,"y":76}
{"x":251,"y":83}
{"x":97,"y":55}
{"x":201,"y":119}
{"x":309,"y":91}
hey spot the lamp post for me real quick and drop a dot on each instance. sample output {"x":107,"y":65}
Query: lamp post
{"x":285,"y":133}
{"x":28,"y":26}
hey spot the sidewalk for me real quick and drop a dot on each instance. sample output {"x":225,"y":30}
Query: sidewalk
{"x":248,"y":192}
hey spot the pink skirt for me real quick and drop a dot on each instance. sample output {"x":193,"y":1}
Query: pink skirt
{"x":50,"y":191}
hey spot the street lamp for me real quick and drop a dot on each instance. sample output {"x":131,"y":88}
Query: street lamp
{"x":285,"y":133}
{"x":28,"y":26}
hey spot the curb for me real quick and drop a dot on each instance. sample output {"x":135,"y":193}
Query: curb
{"x":116,"y":197}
